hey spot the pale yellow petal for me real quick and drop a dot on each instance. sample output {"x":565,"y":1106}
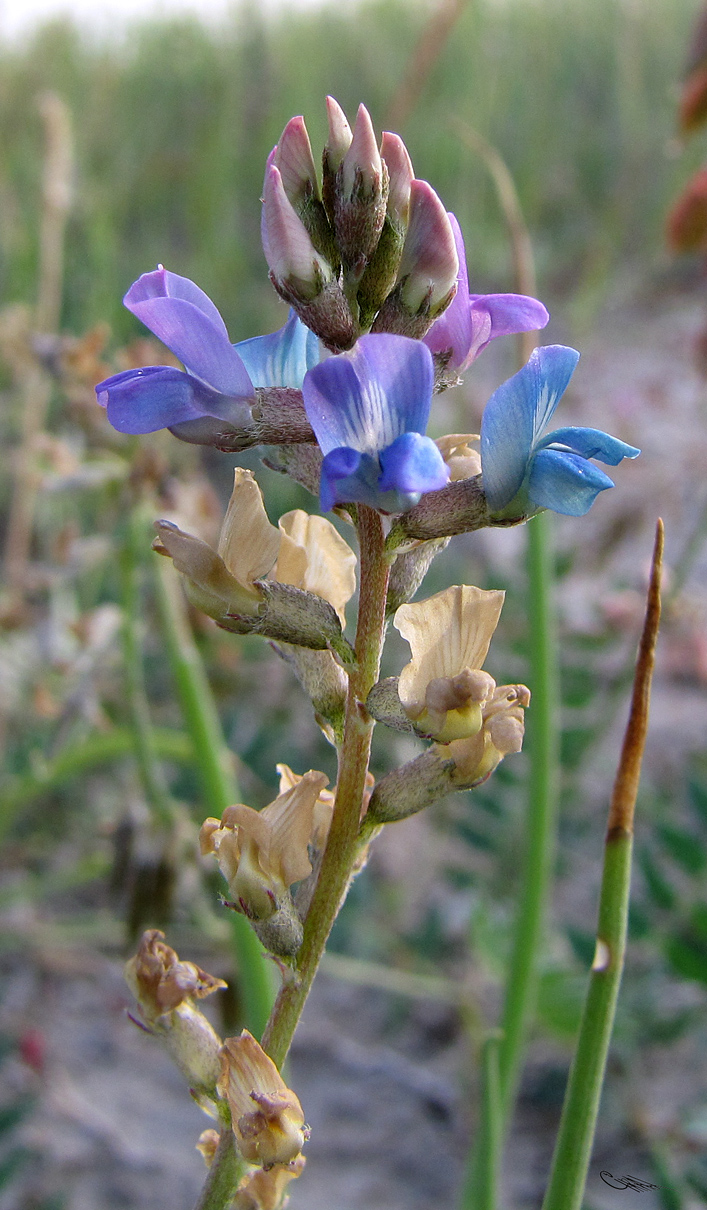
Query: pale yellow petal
{"x":247,"y":1069}
{"x":323,"y":807}
{"x":330,"y":564}
{"x":447,"y":633}
{"x":209,"y":583}
{"x":249,"y":544}
{"x":463,"y":461}
{"x":291,"y":820}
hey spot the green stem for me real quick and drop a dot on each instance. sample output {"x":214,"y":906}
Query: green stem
{"x":539,"y":848}
{"x":490,"y":1129}
{"x":227,"y":1169}
{"x":574,"y":1142}
{"x":77,"y":758}
{"x":214,"y":760}
{"x":342,"y":843}
{"x":218,"y":779}
{"x":151,"y":772}
{"x":581,"y":1106}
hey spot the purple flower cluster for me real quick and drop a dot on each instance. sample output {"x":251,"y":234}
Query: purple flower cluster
{"x":369,"y":405}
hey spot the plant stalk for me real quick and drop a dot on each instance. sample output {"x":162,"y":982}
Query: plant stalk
{"x":581,"y":1106}
{"x":342,"y":843}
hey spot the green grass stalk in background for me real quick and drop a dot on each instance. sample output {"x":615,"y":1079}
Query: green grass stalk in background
{"x":541,"y":822}
{"x":256,"y":975}
{"x":581,"y":1106}
{"x":542,"y":743}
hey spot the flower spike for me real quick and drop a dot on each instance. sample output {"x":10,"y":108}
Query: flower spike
{"x":369,"y":410}
{"x":524,"y":472}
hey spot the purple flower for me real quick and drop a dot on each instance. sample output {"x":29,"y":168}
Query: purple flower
{"x":523,"y":471}
{"x":218,"y":380}
{"x":472,"y":320}
{"x":369,"y":411}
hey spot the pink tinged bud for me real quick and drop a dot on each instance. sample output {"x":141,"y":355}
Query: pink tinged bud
{"x":362,"y":168}
{"x":395,"y":156}
{"x":293,"y":157}
{"x":296,"y":267}
{"x":429,"y":266}
{"x":340,"y":135}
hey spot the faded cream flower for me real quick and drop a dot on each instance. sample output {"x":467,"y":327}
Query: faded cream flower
{"x":323,"y":807}
{"x":266,"y":1115}
{"x":165,"y":988}
{"x":463,"y":461}
{"x":303,"y":551}
{"x":262,"y":1190}
{"x":223,"y":581}
{"x":261,"y":853}
{"x":313,"y":556}
{"x":161,"y":982}
{"x":443,"y":688}
{"x":501,"y":734}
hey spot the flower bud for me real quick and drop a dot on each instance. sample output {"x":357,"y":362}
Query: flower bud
{"x":381,"y":273}
{"x":297,"y":270}
{"x":164,"y":988}
{"x":293,"y":157}
{"x":409,"y":570}
{"x":338,"y":143}
{"x":207,"y":1145}
{"x":428,"y":269}
{"x":401,"y":174}
{"x":267,"y":1117}
{"x":360,"y":196}
{"x":303,"y":277}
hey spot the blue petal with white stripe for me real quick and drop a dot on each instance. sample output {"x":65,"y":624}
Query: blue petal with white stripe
{"x":369,"y":409}
{"x":282,"y":358}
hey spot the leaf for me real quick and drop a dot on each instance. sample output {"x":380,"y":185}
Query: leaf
{"x":583,"y":945}
{"x":683,"y":848}
{"x":657,"y":886}
{"x":560,"y":1000}
{"x":697,"y":792}
{"x":688,"y":957}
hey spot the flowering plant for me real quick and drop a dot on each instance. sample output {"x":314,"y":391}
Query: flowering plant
{"x":374,"y":271}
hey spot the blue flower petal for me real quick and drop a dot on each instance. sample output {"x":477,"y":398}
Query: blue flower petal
{"x":412,"y":463}
{"x":590,"y":443}
{"x":566,"y":483}
{"x":193,"y":330}
{"x":515,"y":415}
{"x":282,"y":358}
{"x":367,"y":398}
{"x":163,"y":284}
{"x":158,"y":397}
{"x":340,"y":482}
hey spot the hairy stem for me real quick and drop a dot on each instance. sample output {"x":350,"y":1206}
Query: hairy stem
{"x":342,"y":843}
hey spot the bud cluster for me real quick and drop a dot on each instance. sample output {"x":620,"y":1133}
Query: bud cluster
{"x":370,"y":249}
